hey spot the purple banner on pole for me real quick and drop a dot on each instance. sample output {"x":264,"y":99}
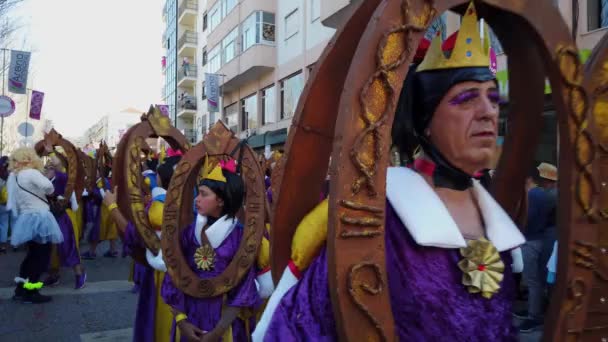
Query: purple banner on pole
{"x":36,"y":104}
{"x":164,"y":109}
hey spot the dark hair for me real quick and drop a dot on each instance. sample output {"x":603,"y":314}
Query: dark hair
{"x":232,"y":192}
{"x":165,"y":171}
{"x":152,"y":164}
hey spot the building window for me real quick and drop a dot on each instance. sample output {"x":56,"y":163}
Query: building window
{"x":315,"y":10}
{"x":249,"y":112}
{"x":268,"y":105}
{"x":205,"y":21}
{"x":258,"y":28}
{"x":203,"y":92}
{"x":231,"y":117}
{"x":597,"y":14}
{"x":229,"y":46}
{"x":291,"y":88}
{"x":227,"y":6}
{"x":204,"y":56}
{"x":215,"y":15}
{"x":292,"y":24}
{"x":215,"y":60}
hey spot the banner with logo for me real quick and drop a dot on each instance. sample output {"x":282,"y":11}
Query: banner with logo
{"x":17,"y":74}
{"x":212,"y":90}
{"x":36,"y":104}
{"x":164,"y":109}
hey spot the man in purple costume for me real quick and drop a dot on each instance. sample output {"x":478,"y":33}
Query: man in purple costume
{"x":438,"y":222}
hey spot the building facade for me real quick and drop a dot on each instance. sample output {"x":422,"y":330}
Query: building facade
{"x":111,"y":127}
{"x":169,"y":61}
{"x":263,"y":52}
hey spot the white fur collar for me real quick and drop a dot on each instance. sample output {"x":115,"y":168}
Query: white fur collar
{"x":157,"y":261}
{"x":158,"y":191}
{"x":430,"y":224}
{"x":217,"y":232}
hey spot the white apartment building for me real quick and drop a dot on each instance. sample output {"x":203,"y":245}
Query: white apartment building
{"x":111,"y":127}
{"x":264,"y":51}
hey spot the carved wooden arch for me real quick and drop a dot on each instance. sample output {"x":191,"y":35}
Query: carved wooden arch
{"x":219,"y":142}
{"x":583,"y":260}
{"x":127,"y":169}
{"x":538,"y":44}
{"x":89,"y":165}
{"x":75,"y":173}
{"x":103,"y":158}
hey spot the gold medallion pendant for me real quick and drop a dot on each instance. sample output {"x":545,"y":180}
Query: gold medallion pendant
{"x":482,"y":267}
{"x":204,"y":257}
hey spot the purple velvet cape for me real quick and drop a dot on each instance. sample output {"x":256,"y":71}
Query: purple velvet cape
{"x":69,"y":255}
{"x":206,"y":313}
{"x":428,"y":300}
{"x":145,"y":317}
{"x":93,"y":209}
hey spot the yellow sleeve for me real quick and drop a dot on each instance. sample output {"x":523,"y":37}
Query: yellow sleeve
{"x":264,"y":252}
{"x":310,"y":236}
{"x":155,"y":214}
{"x":3,"y":195}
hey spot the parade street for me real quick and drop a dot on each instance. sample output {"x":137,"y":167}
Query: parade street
{"x":102,"y":311}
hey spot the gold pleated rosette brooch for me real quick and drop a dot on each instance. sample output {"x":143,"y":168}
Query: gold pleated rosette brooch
{"x":482,"y":266}
{"x":204,"y":257}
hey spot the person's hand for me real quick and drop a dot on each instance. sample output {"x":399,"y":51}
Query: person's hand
{"x":211,"y":337}
{"x":110,"y":197}
{"x":189,"y":331}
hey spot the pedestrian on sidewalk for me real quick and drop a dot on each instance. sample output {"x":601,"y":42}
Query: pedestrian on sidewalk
{"x":35,"y":225}
{"x":540,"y":236}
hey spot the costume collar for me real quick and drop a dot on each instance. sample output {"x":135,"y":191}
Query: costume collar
{"x":148,"y":173}
{"x":156,"y":261}
{"x":217,"y":232}
{"x":158,"y":194}
{"x":444,"y":174}
{"x":430,"y":224}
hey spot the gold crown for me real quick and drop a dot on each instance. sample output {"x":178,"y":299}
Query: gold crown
{"x":468,"y":50}
{"x":212,"y":173}
{"x":216,"y":174}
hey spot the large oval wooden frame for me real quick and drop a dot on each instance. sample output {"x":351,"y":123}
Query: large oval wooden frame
{"x":370,"y":54}
{"x":75,"y":171}
{"x":127,"y":169}
{"x":89,"y":166}
{"x":220,"y":141}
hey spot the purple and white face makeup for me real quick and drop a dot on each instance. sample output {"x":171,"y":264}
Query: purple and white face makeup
{"x":464,"y":126}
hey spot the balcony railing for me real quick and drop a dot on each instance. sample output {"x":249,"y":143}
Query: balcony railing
{"x":187,"y":5}
{"x":189,"y":71}
{"x":191,"y":135}
{"x":188,"y":37}
{"x":187,"y":102}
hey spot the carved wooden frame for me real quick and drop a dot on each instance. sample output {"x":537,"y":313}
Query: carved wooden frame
{"x":75,"y":172}
{"x":371,"y":54}
{"x":219,"y":142}
{"x":89,"y":165}
{"x":127,"y":169}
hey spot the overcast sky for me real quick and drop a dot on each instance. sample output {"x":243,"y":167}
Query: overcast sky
{"x":92,"y":57}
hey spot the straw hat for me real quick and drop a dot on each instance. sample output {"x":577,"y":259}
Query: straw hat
{"x":547,"y":171}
